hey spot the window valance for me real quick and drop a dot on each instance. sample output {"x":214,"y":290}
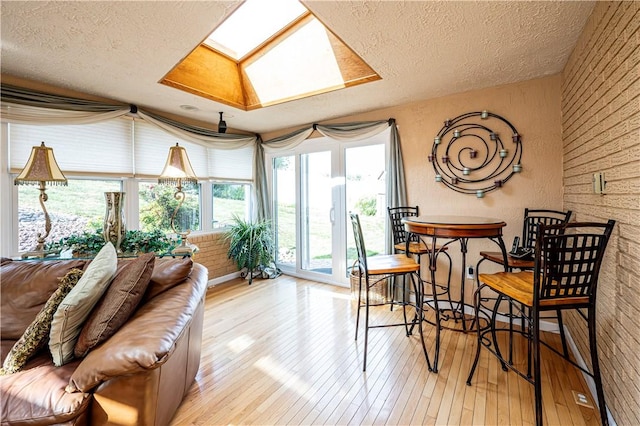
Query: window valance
{"x":24,"y":106}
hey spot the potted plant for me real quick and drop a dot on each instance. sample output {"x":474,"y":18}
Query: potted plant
{"x":251,"y":247}
{"x":88,"y":244}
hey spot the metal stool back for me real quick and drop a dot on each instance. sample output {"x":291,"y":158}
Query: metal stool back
{"x":535,"y":217}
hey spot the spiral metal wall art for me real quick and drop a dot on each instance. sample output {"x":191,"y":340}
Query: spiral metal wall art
{"x":470,"y":157}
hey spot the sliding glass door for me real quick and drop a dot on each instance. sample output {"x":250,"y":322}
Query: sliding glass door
{"x":285,"y":206}
{"x":313,"y":189}
{"x":365,"y":195}
{"x":317,"y":212}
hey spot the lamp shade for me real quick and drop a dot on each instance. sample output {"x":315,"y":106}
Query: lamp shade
{"x":41,"y":167}
{"x":178,"y":168}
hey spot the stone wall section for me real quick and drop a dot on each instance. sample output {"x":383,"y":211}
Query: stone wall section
{"x":213,"y":254}
{"x":601,"y":133}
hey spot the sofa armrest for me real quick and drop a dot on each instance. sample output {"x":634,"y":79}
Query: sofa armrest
{"x":148,"y":339}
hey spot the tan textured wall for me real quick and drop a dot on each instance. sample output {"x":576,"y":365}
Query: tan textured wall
{"x":601,"y":133}
{"x":533,"y":107}
{"x":213,"y":254}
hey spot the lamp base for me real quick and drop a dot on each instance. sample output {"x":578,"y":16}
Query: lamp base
{"x":184,"y":249}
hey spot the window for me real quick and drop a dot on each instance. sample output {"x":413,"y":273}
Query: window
{"x":264,"y":18}
{"x":75,"y":208}
{"x":158,"y":204}
{"x":152,"y":148}
{"x":285,"y":204}
{"x":269,"y":52}
{"x":229,"y":200}
{"x":122,"y":154}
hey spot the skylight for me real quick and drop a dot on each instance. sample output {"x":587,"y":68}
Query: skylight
{"x":268,"y":52}
{"x":253,"y":23}
{"x":301,"y":64}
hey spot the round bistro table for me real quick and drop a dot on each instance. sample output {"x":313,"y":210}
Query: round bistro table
{"x":453,"y":228}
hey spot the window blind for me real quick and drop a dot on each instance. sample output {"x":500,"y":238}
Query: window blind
{"x":152,"y":148}
{"x":231,"y":164}
{"x":125,"y":148}
{"x":89,"y":149}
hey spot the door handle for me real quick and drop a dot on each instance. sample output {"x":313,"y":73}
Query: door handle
{"x":332,"y":215}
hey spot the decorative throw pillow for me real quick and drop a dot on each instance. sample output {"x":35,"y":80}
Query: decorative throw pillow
{"x":37,"y":334}
{"x":117,"y":305}
{"x":76,"y":307}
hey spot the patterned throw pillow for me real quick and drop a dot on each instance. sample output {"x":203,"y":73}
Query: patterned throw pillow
{"x":37,"y":334}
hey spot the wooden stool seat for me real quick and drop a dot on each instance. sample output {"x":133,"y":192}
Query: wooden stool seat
{"x":418,"y":248}
{"x":518,"y":286}
{"x":532,"y":219}
{"x":391,"y":264}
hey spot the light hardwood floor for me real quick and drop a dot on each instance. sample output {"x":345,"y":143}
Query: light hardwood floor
{"x":283,"y":352}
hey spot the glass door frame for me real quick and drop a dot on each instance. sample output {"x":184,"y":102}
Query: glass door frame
{"x":338,"y":166}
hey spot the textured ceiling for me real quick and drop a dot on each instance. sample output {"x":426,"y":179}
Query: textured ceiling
{"x":423,"y":49}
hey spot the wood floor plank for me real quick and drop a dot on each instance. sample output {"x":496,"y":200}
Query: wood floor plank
{"x":513,"y":380}
{"x":481,"y":383}
{"x":282,"y":351}
{"x":461,"y":389}
{"x":446,"y":415}
{"x":404,"y":397}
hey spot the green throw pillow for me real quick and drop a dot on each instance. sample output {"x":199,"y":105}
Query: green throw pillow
{"x":37,"y":334}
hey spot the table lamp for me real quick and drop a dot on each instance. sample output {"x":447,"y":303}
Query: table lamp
{"x":177,"y":171}
{"x":41,"y":168}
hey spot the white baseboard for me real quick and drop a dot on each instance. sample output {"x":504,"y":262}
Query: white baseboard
{"x":222,"y":279}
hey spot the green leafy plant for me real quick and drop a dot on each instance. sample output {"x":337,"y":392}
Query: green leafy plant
{"x":367,"y":206}
{"x":156,"y":241}
{"x":83,"y":244}
{"x":88,"y":243}
{"x":251,"y":247}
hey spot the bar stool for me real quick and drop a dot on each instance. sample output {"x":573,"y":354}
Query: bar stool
{"x":375,"y":269}
{"x":417,"y":247}
{"x":532,"y":218}
{"x":565,"y":276}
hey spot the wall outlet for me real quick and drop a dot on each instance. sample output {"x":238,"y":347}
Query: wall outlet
{"x":581,"y":399}
{"x":471,"y":272}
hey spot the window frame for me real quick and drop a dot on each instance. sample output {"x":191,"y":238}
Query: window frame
{"x":249,"y":202}
{"x":9,"y":216}
{"x":314,"y":145}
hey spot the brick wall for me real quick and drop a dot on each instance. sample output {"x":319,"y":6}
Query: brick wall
{"x":601,"y":133}
{"x":213,"y":254}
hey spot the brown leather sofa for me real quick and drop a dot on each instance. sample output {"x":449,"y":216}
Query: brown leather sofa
{"x":139,"y":376}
